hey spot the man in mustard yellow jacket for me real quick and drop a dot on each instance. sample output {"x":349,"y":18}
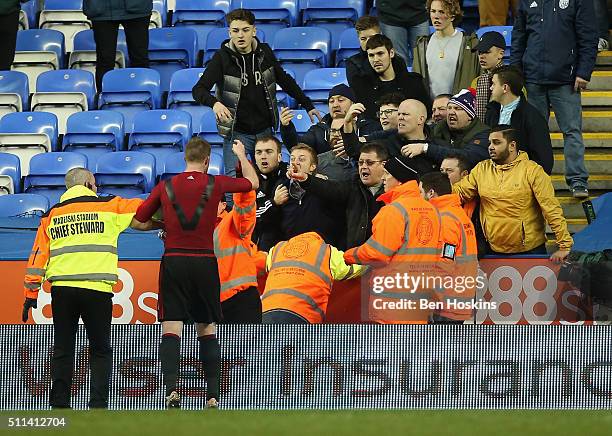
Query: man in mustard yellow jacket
{"x":516,"y":200}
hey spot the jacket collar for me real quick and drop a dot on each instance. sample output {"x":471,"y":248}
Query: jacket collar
{"x":522,"y":156}
{"x":408,"y":189}
{"x":445,"y":201}
{"x":77,"y":191}
{"x":232,"y":48}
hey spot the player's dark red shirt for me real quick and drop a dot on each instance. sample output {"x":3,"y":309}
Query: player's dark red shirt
{"x":188,"y":189}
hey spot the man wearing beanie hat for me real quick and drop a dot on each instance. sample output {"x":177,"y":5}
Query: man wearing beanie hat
{"x":405,"y":234}
{"x":461,"y":133}
{"x":320,"y":136}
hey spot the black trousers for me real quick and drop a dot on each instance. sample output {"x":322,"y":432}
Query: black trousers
{"x":136,"y":36}
{"x":280,"y":316}
{"x":9,"y":24}
{"x":242,"y":308}
{"x":95,"y":308}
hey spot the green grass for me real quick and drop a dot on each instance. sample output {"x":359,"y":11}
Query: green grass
{"x":335,"y":423}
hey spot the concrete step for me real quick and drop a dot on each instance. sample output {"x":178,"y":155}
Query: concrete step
{"x":573,"y":225}
{"x":572,"y":208}
{"x":592,"y":121}
{"x":596,"y":98}
{"x":591,"y":140}
{"x":601,"y":81}
{"x":597,"y":182}
{"x":596,"y":163}
{"x":604,"y":58}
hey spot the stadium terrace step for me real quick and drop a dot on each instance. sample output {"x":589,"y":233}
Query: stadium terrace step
{"x":596,"y":98}
{"x":596,"y":163}
{"x":601,"y":182}
{"x":604,"y":58}
{"x":592,"y":121}
{"x":601,"y":81}
{"x":591,"y":140}
{"x":572,"y":208}
{"x":573,"y":225}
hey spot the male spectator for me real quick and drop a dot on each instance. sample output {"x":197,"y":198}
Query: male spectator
{"x":246,"y":73}
{"x":105,"y":17}
{"x":385,"y":78}
{"x":458,"y":247}
{"x":495,"y":12}
{"x":403,"y":21}
{"x":271,"y":171}
{"x":318,"y":136}
{"x":188,"y":274}
{"x":405,"y":234}
{"x":9,"y":24}
{"x":455,"y":167}
{"x":301,"y":273}
{"x":556,"y":49}
{"x":445,"y":58}
{"x":76,"y":251}
{"x":303,"y":212}
{"x":516,"y":198}
{"x":490,"y":48}
{"x":438,"y":109}
{"x":388,"y":105}
{"x":335,"y":164}
{"x":358,"y":198}
{"x":509,"y":106}
{"x":462,"y":133}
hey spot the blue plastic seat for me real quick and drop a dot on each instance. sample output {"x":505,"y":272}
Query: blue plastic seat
{"x":160,"y":132}
{"x":208,"y":129}
{"x":31,"y":9}
{"x":302,"y":49}
{"x":336,"y":16}
{"x":83,"y":56}
{"x":10,"y":174}
{"x":216,"y":163}
{"x":217,"y":36}
{"x":172,"y":49}
{"x":42,"y":40}
{"x":318,"y":83}
{"x":94,"y":133}
{"x":159,"y":13}
{"x":48,"y":172}
{"x":130,"y":91}
{"x":200,"y":15}
{"x":125,"y":173}
{"x":347,"y":46}
{"x":173,"y":165}
{"x":14,"y":92}
{"x":180,"y":93}
{"x":271,"y":15}
{"x":301,"y":121}
{"x":23,"y":205}
{"x":506,"y":31}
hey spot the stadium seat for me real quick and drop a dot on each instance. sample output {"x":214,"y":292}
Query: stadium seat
{"x":83,"y":57}
{"x":506,"y":31}
{"x":208,"y":129}
{"x":173,"y":165}
{"x":160,"y":132}
{"x":180,"y":96}
{"x":23,"y":205}
{"x":158,"y":14}
{"x":336,"y":16}
{"x":24,"y":24}
{"x":282,"y":98}
{"x":301,"y":120}
{"x":26,"y":134}
{"x":29,"y":9}
{"x":65,"y":16}
{"x":14,"y":92}
{"x":10,"y":174}
{"x":170,"y":50}
{"x":271,"y":15}
{"x":216,"y":37}
{"x":48,"y":172}
{"x":216,"y":163}
{"x":37,"y":51}
{"x":347,"y":46}
{"x":125,"y":173}
{"x":94,"y":133}
{"x":200,"y":15}
{"x":318,"y":83}
{"x":64,"y":92}
{"x":302,"y":49}
{"x":129,"y":91}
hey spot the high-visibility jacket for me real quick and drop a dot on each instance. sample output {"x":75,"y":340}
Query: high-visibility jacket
{"x":405,"y":240}
{"x":301,"y":274}
{"x":459,"y":258}
{"x":233,"y":246}
{"x":469,"y":207}
{"x":76,"y":242}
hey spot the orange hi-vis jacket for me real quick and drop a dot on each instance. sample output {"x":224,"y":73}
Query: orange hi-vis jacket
{"x":405,"y":240}
{"x":459,"y":252}
{"x":233,"y":246}
{"x":301,"y":274}
{"x":76,"y":242}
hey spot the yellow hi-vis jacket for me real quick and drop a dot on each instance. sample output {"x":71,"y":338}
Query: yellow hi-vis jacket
{"x":76,"y":242}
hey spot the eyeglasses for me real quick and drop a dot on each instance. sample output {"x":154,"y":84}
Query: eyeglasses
{"x":386,"y":113}
{"x":367,"y":163}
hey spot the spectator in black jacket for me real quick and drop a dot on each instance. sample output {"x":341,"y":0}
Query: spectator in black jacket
{"x":246,"y":73}
{"x":509,"y":106}
{"x":318,"y":136}
{"x":271,"y":171}
{"x":386,"y":78}
{"x":358,"y":198}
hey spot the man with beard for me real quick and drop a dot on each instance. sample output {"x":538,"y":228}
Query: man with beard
{"x":517,"y":198}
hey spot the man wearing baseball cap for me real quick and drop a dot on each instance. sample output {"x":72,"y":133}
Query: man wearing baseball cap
{"x":491,"y":47}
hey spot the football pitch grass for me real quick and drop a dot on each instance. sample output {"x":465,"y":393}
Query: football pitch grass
{"x":316,"y":422}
